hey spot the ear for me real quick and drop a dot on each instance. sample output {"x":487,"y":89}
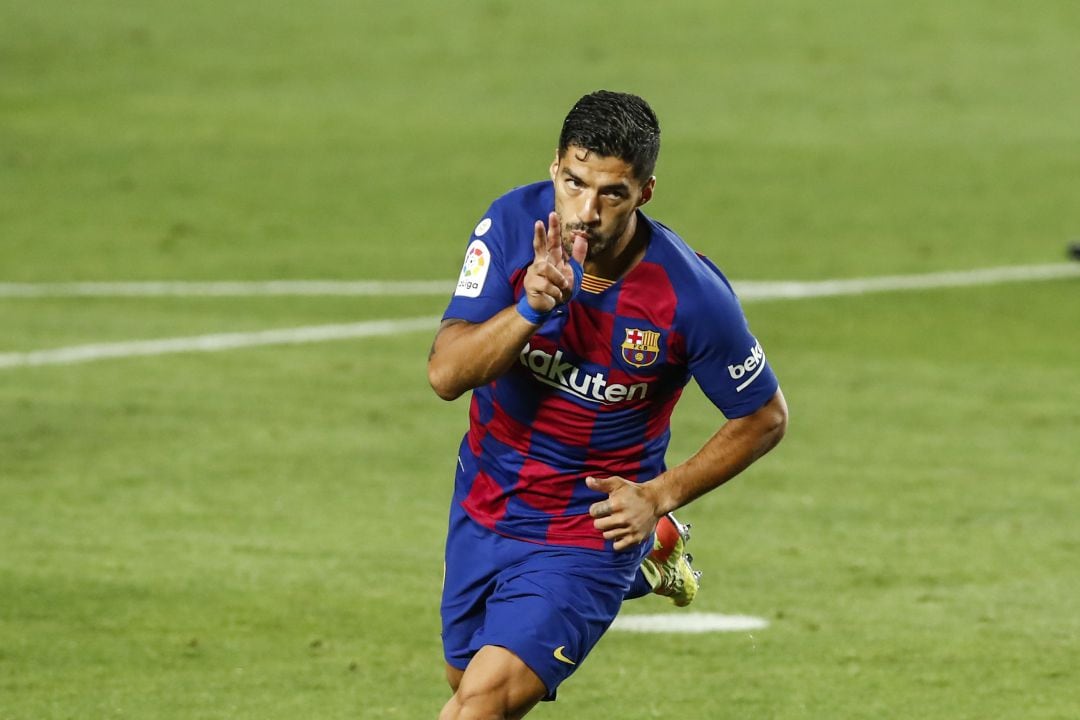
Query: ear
{"x":647,"y":191}
{"x":554,"y":169}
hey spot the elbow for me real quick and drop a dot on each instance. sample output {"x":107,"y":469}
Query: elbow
{"x":442,"y":383}
{"x":780,"y":428}
{"x":775,"y":418}
{"x":444,"y":374}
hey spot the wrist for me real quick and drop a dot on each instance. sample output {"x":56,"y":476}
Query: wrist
{"x":579,"y":275}
{"x":531,"y":314}
{"x":659,"y":497}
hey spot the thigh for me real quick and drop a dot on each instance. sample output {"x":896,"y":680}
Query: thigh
{"x":551,"y":608}
{"x":496,"y":683}
{"x":547,"y":605}
{"x":469,"y":580}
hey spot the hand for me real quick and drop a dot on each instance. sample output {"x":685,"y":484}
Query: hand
{"x":549,"y":281}
{"x":628,"y":515}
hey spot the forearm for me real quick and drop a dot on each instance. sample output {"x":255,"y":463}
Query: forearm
{"x":727,"y":453}
{"x":467,"y":355}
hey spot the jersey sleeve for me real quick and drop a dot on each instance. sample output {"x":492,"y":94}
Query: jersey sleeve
{"x":725,"y":359}
{"x":483,"y":287}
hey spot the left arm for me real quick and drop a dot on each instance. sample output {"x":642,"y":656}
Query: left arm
{"x":629,"y":514}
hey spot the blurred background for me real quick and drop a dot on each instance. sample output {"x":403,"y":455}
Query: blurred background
{"x":257,"y":533}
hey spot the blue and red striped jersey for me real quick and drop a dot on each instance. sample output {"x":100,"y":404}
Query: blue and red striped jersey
{"x":593,"y":390}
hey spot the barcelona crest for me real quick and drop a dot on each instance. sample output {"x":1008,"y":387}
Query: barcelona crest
{"x":641,"y":347}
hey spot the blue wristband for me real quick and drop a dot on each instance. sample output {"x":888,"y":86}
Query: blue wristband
{"x":538,"y":318}
{"x":526,"y":311}
{"x":579,"y":273}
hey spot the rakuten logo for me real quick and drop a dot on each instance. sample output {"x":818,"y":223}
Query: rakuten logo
{"x":752,"y":365}
{"x":593,"y":387}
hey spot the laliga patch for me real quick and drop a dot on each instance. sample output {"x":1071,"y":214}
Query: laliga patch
{"x":641,"y":348}
{"x":475,"y":270}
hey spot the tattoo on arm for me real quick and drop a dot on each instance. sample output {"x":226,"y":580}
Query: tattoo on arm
{"x":445,"y":324}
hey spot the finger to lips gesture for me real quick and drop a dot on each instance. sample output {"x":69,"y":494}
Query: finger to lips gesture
{"x":546,"y":284}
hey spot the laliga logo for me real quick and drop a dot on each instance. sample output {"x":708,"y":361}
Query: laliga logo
{"x":474,"y":270}
{"x":474,"y":262}
{"x":753,"y":365}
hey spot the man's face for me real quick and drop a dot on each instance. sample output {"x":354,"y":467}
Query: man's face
{"x":595,"y":197}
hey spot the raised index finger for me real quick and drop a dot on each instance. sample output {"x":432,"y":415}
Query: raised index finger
{"x":554,"y":238}
{"x":540,"y":241}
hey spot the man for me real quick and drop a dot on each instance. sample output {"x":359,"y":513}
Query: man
{"x":577,"y":346}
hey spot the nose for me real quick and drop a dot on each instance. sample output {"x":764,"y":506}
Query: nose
{"x":589,"y":212}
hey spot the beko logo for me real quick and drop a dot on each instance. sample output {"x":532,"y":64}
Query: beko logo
{"x":752,"y":366}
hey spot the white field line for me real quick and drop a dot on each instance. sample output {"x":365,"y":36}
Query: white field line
{"x":688,"y":622}
{"x":231,"y":288}
{"x":215,"y":343}
{"x":751,"y":291}
{"x":765,"y":290}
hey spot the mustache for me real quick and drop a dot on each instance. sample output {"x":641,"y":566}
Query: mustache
{"x":580,"y":228}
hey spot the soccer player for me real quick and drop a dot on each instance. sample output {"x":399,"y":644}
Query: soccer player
{"x":576,"y":322}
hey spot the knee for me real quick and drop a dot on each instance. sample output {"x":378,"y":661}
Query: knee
{"x":474,"y":706}
{"x":496,"y":686}
{"x":477,"y":700}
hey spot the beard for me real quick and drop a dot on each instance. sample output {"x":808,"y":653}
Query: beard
{"x":598,"y":242}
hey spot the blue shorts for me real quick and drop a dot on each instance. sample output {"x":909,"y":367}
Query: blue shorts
{"x":547,"y":604}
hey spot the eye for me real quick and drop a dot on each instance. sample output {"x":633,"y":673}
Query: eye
{"x":574,"y":183}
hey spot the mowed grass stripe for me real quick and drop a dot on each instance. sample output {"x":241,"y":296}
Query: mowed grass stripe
{"x":749,"y":291}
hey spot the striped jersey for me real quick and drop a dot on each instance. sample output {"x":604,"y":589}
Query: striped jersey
{"x":592,"y":392}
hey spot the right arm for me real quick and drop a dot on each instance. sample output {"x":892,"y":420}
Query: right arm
{"x":467,"y":355}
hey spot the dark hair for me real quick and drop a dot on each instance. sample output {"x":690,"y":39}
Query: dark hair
{"x":617,"y":125}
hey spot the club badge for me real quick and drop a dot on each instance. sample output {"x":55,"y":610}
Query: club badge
{"x":641,"y":347}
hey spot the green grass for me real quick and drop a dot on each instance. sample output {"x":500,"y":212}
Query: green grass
{"x":258,"y":533}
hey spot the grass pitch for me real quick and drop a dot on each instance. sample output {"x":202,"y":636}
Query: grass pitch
{"x":258,"y":533}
